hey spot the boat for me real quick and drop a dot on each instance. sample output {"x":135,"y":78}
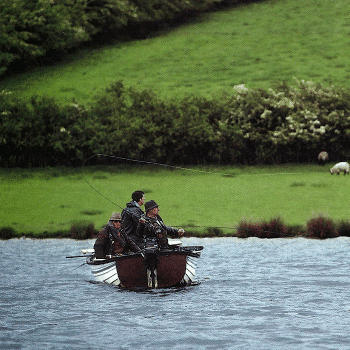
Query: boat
{"x":151,"y":267}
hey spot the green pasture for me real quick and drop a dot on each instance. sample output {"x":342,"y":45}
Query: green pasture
{"x":50,"y":200}
{"x":256,"y":44}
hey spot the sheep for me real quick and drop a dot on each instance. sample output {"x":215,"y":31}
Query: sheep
{"x":323,"y":158}
{"x":339,"y":167}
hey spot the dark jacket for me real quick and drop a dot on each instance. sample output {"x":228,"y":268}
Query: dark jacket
{"x":111,"y":241}
{"x":155,"y":227}
{"x":130,"y":219}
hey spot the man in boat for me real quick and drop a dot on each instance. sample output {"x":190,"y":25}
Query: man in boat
{"x":131,"y":215}
{"x":111,"y":240}
{"x":152,"y":225}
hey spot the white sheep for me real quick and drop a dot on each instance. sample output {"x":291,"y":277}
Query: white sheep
{"x":339,"y":167}
{"x":323,"y":158}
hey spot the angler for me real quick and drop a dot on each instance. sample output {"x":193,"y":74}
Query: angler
{"x":111,"y":240}
{"x":151,"y":225}
{"x":131,"y":215}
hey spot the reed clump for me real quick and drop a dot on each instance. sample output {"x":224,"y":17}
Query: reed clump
{"x":274,"y":228}
{"x":321,"y":227}
{"x":247,"y":229}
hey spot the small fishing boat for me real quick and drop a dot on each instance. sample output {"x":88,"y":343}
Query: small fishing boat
{"x":151,"y":267}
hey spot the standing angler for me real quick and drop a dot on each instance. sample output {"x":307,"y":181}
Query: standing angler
{"x":131,"y":215}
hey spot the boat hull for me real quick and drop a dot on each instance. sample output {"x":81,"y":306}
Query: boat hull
{"x":157,"y":270}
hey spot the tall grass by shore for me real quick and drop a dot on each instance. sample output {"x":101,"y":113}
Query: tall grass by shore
{"x":255,"y":44}
{"x":47,"y":202}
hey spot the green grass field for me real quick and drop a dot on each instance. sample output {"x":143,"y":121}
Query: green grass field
{"x":35,"y":201}
{"x":256,"y":45}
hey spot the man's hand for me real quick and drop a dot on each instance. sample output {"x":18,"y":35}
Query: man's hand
{"x":181,"y":232}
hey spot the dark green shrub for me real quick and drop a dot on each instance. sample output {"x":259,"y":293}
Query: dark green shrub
{"x":82,"y":230}
{"x":343,"y":228}
{"x":213,"y":231}
{"x":193,"y":233}
{"x":321,"y":227}
{"x":295,"y":230}
{"x":7,"y":232}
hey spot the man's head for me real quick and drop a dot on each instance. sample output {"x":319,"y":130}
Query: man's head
{"x":116,"y":219}
{"x":138,"y":197}
{"x":151,"y":208}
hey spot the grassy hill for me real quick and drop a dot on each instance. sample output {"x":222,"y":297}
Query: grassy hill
{"x":256,"y":45}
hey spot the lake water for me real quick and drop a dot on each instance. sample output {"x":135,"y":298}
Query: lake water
{"x":251,"y":294}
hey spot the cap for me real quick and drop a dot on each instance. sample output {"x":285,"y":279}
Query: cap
{"x":116,"y":217}
{"x":150,"y":205}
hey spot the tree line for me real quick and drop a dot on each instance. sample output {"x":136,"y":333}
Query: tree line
{"x":287,"y":123}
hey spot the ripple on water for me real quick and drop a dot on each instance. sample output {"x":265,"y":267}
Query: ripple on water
{"x":251,"y":294}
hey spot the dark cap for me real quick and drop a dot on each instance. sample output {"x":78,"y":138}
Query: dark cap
{"x":150,"y":205}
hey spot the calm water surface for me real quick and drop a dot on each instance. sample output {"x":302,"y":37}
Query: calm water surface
{"x":251,"y":294}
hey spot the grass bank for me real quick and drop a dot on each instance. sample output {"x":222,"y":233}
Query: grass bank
{"x":47,"y":202}
{"x":255,"y":44}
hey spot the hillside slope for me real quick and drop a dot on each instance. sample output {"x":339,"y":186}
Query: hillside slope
{"x":256,"y":45}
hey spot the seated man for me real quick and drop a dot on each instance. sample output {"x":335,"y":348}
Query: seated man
{"x":110,"y":240}
{"x":152,"y":225}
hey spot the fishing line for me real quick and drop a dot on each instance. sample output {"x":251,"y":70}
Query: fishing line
{"x":164,"y":165}
{"x":93,"y":186}
{"x":160,"y":164}
{"x":187,"y":169}
{"x":173,"y":167}
{"x":137,"y":161}
{"x":101,"y":193}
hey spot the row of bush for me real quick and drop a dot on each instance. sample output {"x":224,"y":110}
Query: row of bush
{"x":78,"y":230}
{"x":319,"y":227}
{"x":287,"y":123}
{"x":33,"y":30}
